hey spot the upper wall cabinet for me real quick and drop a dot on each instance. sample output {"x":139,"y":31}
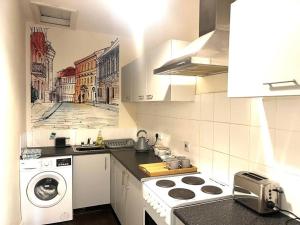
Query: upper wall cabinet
{"x":264,"y":48}
{"x":140,"y":84}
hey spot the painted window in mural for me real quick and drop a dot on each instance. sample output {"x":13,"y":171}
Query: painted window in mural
{"x":82,"y":95}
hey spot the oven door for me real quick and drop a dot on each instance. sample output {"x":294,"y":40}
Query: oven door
{"x":151,"y":217}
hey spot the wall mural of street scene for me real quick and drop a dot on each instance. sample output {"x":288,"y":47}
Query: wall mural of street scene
{"x":82,"y":95}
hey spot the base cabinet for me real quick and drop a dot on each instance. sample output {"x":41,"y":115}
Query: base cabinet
{"x":91,"y":180}
{"x":126,"y":195}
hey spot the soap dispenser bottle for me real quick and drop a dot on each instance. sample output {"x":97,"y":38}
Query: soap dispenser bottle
{"x":99,"y":140}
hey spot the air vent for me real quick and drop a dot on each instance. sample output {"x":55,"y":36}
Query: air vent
{"x":54,"y":15}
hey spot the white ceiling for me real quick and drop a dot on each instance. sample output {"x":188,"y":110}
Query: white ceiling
{"x":180,"y":20}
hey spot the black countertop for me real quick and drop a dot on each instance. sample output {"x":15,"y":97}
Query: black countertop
{"x":51,"y":151}
{"x":227,"y":212}
{"x":128,"y":157}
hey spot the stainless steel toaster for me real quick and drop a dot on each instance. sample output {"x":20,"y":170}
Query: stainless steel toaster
{"x":256,"y":192}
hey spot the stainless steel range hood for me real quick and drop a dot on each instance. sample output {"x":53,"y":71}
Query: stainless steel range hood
{"x":207,"y":55}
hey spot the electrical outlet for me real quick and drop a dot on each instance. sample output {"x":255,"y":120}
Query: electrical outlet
{"x":187,"y":146}
{"x":52,"y":136}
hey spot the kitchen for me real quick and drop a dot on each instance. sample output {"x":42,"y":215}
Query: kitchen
{"x":223,"y":128}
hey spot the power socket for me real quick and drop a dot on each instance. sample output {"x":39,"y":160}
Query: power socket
{"x":187,"y":146}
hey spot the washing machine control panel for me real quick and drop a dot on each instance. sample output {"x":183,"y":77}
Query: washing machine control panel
{"x":63,"y":162}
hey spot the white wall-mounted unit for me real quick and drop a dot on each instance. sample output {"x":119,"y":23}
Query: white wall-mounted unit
{"x":146,"y":86}
{"x":264,"y":48}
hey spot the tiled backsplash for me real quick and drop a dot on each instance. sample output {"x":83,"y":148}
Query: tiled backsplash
{"x":232,"y":134}
{"x":40,"y":137}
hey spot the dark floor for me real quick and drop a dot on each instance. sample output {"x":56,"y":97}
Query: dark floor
{"x":103,"y":215}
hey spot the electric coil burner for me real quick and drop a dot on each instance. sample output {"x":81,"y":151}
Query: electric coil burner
{"x":165,"y":183}
{"x":181,"y":193}
{"x":210,"y":189}
{"x":192,"y":180}
{"x":162,"y":195}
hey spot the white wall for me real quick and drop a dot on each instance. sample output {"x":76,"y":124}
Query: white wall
{"x":12,"y":113}
{"x":229,"y":135}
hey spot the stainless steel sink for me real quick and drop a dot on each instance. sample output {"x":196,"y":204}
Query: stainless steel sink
{"x":85,"y":148}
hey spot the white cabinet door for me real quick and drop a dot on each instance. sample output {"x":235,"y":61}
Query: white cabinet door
{"x":91,"y":180}
{"x":112,"y":183}
{"x":134,"y":201}
{"x":126,"y":82}
{"x":264,"y":48}
{"x":158,"y":86}
{"x":166,"y":87}
{"x":120,"y":191}
{"x":138,"y":79}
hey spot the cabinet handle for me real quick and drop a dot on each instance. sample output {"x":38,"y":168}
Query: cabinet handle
{"x":149,"y":96}
{"x":271,"y":84}
{"x":122,"y":178}
{"x":141,"y":97}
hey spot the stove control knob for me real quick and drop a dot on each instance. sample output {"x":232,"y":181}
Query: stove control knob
{"x":158,"y":210}
{"x":46,"y":163}
{"x":155,"y":205}
{"x":163,"y":213}
{"x":152,"y":203}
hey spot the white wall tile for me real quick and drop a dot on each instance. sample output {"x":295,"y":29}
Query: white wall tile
{"x":207,"y":106}
{"x":221,"y":167}
{"x":262,"y":144}
{"x":268,"y":146}
{"x":29,"y":141}
{"x":288,"y":111}
{"x":82,"y":135}
{"x":240,"y":110}
{"x":206,"y":161}
{"x":239,"y":141}
{"x":41,"y":138}
{"x":117,"y":133}
{"x":221,"y":107}
{"x":221,"y":137}
{"x":260,"y":169}
{"x":287,"y":151}
{"x":263,"y":112}
{"x":206,"y":134}
{"x":236,"y":165}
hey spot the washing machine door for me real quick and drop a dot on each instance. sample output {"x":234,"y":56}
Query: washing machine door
{"x":46,"y":189}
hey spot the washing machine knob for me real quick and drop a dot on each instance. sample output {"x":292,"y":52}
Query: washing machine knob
{"x":46,"y":163}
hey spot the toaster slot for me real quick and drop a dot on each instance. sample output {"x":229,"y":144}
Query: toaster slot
{"x":254,"y":176}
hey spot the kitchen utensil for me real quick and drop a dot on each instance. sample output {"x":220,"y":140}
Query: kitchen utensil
{"x":185,"y":163}
{"x":173,"y":164}
{"x":62,"y":142}
{"x":142,"y":142}
{"x":256,"y":192}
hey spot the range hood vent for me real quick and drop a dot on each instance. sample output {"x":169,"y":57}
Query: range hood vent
{"x":54,"y":15}
{"x":207,"y":55}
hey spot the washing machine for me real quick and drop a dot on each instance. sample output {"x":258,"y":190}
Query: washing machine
{"x":46,"y":190}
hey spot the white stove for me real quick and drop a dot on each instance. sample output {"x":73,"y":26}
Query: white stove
{"x":163,"y":194}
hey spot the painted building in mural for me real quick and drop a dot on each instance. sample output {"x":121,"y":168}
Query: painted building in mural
{"x":85,"y":89}
{"x":66,"y":85}
{"x":108,"y":75}
{"x":42,"y":56}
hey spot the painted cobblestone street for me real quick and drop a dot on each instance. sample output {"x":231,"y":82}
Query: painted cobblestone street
{"x":71,"y":115}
